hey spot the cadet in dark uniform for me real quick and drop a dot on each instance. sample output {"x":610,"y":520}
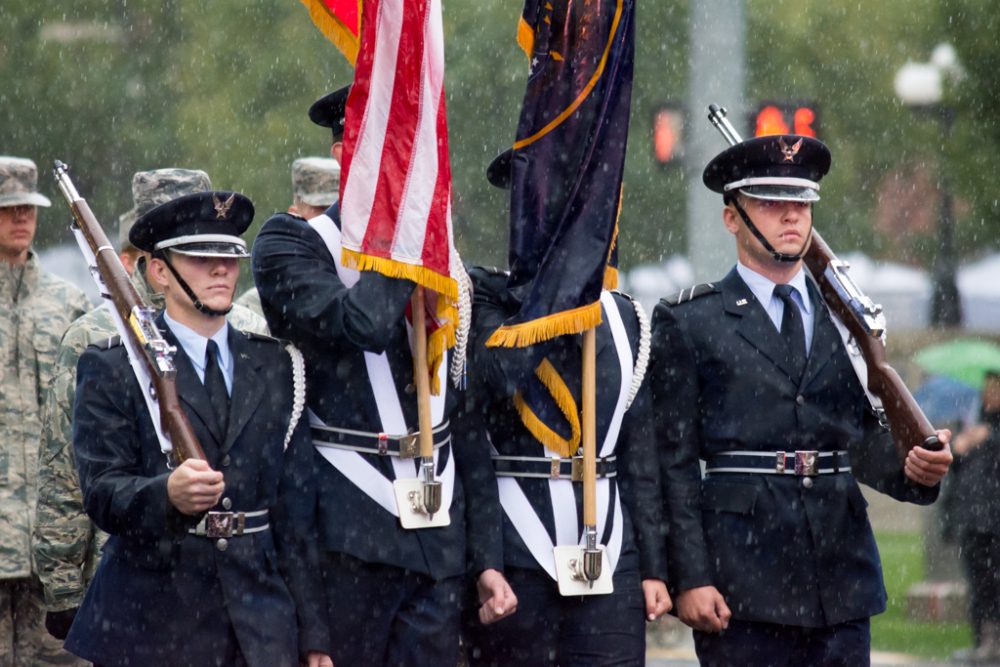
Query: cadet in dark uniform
{"x":175,"y":586}
{"x":514,"y":395}
{"x":393,"y":594}
{"x":772,"y":559}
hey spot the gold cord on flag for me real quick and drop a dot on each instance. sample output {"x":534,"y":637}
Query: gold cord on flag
{"x":561,"y":394}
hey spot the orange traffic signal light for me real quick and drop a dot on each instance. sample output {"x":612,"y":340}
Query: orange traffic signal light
{"x":785,"y":118}
{"x":668,"y":134}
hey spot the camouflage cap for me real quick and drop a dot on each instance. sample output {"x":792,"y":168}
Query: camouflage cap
{"x":19,"y":183}
{"x":316,"y":181}
{"x":152,"y":188}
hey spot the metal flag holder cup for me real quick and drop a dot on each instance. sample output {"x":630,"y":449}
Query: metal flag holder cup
{"x":580,"y":569}
{"x":419,"y":498}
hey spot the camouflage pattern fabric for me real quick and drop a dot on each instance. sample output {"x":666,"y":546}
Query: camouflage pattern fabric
{"x":19,"y":183}
{"x":30,"y":645}
{"x":316,"y":181}
{"x":152,"y":188}
{"x":251,"y":299}
{"x":35,"y":309}
{"x":66,"y":544}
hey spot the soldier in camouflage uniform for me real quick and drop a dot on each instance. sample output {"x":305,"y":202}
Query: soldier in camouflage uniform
{"x":315,"y":187}
{"x":35,"y":309}
{"x":66,"y":544}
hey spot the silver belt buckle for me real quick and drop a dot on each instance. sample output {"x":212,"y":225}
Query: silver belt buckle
{"x":219,"y":524}
{"x":806,"y":462}
{"x":408,"y":447}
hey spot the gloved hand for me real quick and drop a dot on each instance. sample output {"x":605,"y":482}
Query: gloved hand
{"x":58,"y":622}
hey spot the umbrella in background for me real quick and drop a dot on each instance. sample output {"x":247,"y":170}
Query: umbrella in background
{"x":947,"y":402}
{"x":965,"y":360}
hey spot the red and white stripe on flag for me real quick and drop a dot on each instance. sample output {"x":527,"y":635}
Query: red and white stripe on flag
{"x":395,"y":200}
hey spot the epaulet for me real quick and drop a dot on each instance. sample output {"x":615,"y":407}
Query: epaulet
{"x":253,"y":335}
{"x":690,"y":294}
{"x":486,"y":272}
{"x":626,"y":295}
{"x":107,"y":343}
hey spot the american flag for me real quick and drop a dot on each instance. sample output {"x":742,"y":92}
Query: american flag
{"x":395,"y":198}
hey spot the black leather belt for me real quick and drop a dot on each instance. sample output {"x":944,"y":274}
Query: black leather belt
{"x":230,"y":524}
{"x":540,"y":467}
{"x":382,"y":444}
{"x":803,"y":463}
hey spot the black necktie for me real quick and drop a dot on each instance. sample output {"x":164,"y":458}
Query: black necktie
{"x":215,"y":385}
{"x":792,"y":330}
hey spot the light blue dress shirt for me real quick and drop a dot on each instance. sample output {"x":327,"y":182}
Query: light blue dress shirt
{"x":194,"y":345}
{"x":763,"y":289}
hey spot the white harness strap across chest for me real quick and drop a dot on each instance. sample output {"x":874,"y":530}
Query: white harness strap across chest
{"x":352,"y":465}
{"x":522,"y":514}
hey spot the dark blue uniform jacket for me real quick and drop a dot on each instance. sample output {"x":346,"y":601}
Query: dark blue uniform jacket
{"x":778,"y":551}
{"x":161,"y":595}
{"x":305,"y":301}
{"x":500,"y":372}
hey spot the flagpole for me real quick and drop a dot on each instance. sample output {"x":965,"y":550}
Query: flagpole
{"x":591,"y":554}
{"x":432,"y":488}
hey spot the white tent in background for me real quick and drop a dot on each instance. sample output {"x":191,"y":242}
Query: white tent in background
{"x":979,"y":285}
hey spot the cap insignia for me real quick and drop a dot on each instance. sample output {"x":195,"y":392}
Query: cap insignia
{"x":222,"y":207}
{"x":789,"y":151}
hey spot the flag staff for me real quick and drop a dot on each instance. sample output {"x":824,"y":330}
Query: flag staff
{"x":591,"y":565}
{"x":431,"y":487}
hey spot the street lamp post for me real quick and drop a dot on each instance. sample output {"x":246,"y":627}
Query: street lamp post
{"x":919,"y":85}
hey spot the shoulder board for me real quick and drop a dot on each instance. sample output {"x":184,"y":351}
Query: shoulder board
{"x":690,"y":294}
{"x":253,"y":335}
{"x":624,"y":295}
{"x":107,"y":343}
{"x":481,"y":272}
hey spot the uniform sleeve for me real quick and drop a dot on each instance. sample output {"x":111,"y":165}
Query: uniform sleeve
{"x":63,"y":532}
{"x":483,"y":516}
{"x":674,"y":391}
{"x":296,"y":541}
{"x":874,"y":462}
{"x":305,"y":301}
{"x":503,"y":369}
{"x":118,"y":494}
{"x":640,"y":485}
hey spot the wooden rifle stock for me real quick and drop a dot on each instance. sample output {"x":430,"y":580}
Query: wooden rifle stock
{"x":155,"y":353}
{"x":909,"y":425}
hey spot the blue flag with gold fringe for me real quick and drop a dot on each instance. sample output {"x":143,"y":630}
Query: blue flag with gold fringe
{"x":567,"y":164}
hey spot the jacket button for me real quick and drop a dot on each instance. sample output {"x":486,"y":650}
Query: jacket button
{"x":226,"y":460}
{"x":800,"y":399}
{"x":410,"y":388}
{"x":227,"y":504}
{"x":807,"y":482}
{"x":222,"y":544}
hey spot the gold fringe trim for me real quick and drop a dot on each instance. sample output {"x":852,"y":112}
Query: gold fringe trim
{"x":551,"y":380}
{"x":610,"y":278}
{"x":446,"y":308}
{"x":534,"y":331}
{"x":338,"y":33}
{"x":525,"y":37}
{"x":443,"y":338}
{"x":393,"y":268}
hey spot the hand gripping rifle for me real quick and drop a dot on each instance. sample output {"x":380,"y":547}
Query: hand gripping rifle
{"x":865,"y":322}
{"x":151,"y":356}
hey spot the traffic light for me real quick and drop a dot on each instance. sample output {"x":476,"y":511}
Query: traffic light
{"x":786,"y":118}
{"x":668,"y":134}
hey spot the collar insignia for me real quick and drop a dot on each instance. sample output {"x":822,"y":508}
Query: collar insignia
{"x":222,"y":207}
{"x":789,"y":151}
{"x":741,"y":302}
